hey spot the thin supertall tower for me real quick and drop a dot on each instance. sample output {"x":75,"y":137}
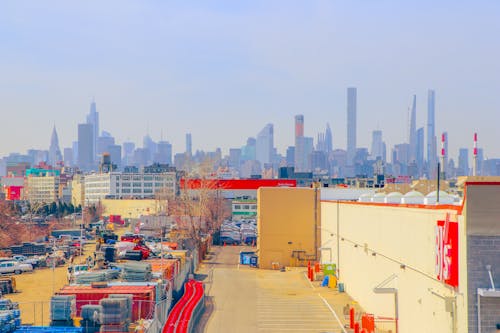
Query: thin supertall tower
{"x":412,"y":135}
{"x":351,"y":124}
{"x":431,"y":135}
{"x":93,"y":119}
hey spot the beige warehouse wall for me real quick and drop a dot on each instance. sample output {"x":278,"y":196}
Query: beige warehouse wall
{"x":129,"y":208}
{"x":397,"y":235}
{"x":286,"y":225}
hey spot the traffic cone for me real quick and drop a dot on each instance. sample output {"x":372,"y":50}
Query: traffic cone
{"x":224,"y":243}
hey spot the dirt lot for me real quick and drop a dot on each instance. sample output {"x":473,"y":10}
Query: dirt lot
{"x":35,"y":290}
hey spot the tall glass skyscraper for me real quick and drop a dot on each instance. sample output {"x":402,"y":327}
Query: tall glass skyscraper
{"x":265,"y":145}
{"x":85,"y":146}
{"x":93,"y":119}
{"x":351,"y":124}
{"x":431,"y":135}
{"x":412,"y":140}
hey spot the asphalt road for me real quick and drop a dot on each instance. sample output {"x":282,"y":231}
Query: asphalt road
{"x":245,"y":299}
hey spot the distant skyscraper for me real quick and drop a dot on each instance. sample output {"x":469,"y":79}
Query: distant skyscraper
{"x":480,"y":160}
{"x":303,"y":149}
{"x":412,"y":139}
{"x":351,"y":124}
{"x":189,"y":144}
{"x":324,"y":142}
{"x":377,"y":146}
{"x":115,"y":154}
{"x":93,"y":118}
{"x":85,"y":146}
{"x":328,"y":139}
{"x":55,"y":155}
{"x":128,"y":153}
{"x":290,"y":156}
{"x":68,"y":157}
{"x":248,"y":151}
{"x":463,"y":162}
{"x":431,"y":135}
{"x":234,"y":158}
{"x":420,"y":150}
{"x":150,"y":147}
{"x":164,"y":153}
{"x":299,"y":126}
{"x":74,"y":145}
{"x":265,"y":145}
{"x":103,"y":143}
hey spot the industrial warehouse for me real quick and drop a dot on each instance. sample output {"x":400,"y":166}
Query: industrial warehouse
{"x":416,"y":264}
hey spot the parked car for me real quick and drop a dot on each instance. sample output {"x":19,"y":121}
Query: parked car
{"x":14,"y":267}
{"x":25,"y":260}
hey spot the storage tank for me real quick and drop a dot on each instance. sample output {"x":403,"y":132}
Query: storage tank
{"x":393,"y":197}
{"x":444,"y":198}
{"x":378,"y":197}
{"x":365,"y":197}
{"x":413,"y":197}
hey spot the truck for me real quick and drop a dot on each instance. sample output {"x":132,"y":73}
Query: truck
{"x":14,"y":267}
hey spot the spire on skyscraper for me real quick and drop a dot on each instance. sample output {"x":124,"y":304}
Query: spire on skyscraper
{"x":93,"y":119}
{"x":55,"y":155}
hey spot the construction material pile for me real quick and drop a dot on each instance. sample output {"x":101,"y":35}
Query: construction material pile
{"x":97,"y":276}
{"x":10,"y":316}
{"x":136,"y":272}
{"x":115,"y":315}
{"x":91,"y":318}
{"x":62,"y":310}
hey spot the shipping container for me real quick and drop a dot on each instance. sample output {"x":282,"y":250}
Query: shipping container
{"x":143,"y":296}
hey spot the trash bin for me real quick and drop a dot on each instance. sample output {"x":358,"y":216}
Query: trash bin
{"x":341,"y":287}
{"x":254,"y":261}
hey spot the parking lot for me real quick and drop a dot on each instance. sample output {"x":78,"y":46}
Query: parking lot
{"x":245,"y":299}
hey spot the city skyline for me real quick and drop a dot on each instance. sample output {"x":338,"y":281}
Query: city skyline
{"x":223,"y":85}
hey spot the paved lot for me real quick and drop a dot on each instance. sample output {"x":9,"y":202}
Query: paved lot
{"x":244,"y":299}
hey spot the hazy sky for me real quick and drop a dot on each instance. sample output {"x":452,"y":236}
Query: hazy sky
{"x":222,"y":70}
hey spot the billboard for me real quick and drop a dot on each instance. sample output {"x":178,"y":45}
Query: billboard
{"x":13,"y":192}
{"x":446,"y":261}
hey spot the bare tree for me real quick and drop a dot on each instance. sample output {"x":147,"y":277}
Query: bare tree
{"x":11,"y":231}
{"x":200,"y":208}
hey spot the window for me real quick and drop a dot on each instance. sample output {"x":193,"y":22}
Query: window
{"x":247,"y":207}
{"x":237,"y":206}
{"x":148,"y":184}
{"x":126,"y":190}
{"x":136,"y":190}
{"x":148,"y":190}
{"x":136,"y":185}
{"x":254,"y":206}
{"x":148,"y":177}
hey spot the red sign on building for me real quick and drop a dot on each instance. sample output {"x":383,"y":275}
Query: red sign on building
{"x":13,"y":192}
{"x":447,"y":252}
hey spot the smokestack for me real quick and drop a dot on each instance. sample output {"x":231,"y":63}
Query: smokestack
{"x":474,"y":162}
{"x":442,"y":156}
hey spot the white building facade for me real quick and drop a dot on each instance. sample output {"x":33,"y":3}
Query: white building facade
{"x":118,"y":185}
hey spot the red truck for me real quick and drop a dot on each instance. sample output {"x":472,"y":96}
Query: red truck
{"x":116,"y":219}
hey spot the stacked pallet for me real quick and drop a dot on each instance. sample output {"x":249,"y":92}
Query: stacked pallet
{"x":114,"y":316}
{"x":130,"y":302}
{"x":136,"y":272}
{"x":91,"y":318}
{"x":62,"y":310}
{"x":10,"y":316}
